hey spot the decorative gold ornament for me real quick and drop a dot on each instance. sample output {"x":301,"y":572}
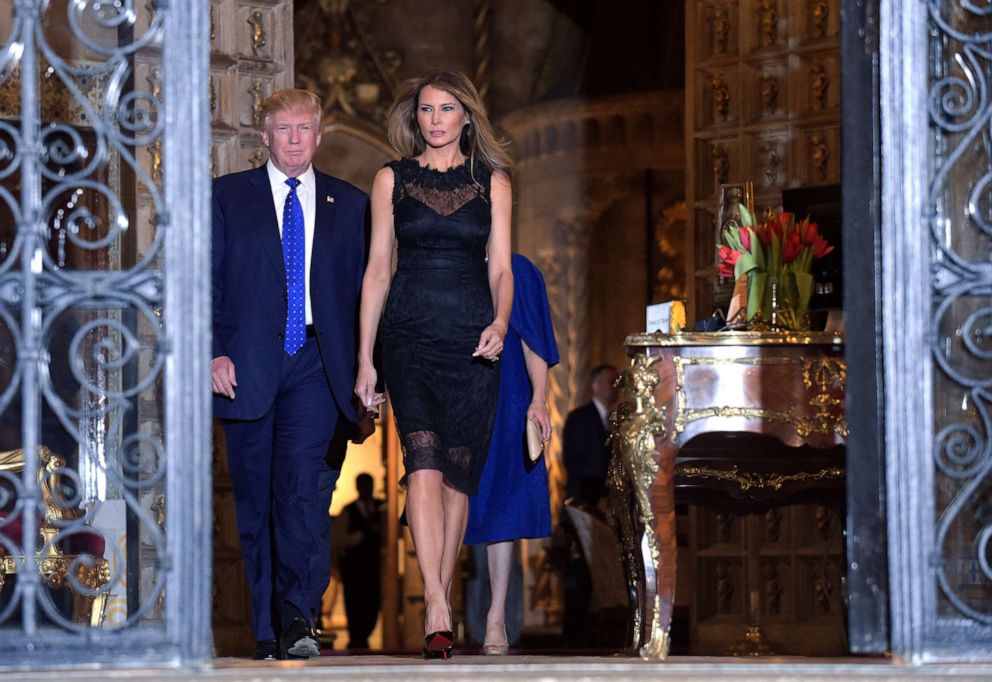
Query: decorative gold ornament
{"x":255,"y":91}
{"x":823,"y":521}
{"x":821,"y":12}
{"x":721,"y":164}
{"x":743,"y":338}
{"x":769,"y":23}
{"x":724,"y":589}
{"x":720,"y":97}
{"x":155,"y":161}
{"x":337,"y":56}
{"x":257,"y":157}
{"x":669,"y":239}
{"x":819,"y":155}
{"x":719,"y":17}
{"x":829,"y":377}
{"x":158,"y":507}
{"x":769,"y":93}
{"x":773,"y":588}
{"x":769,"y":152}
{"x":53,"y":566}
{"x":258,"y":38}
{"x":57,"y":102}
{"x":748,"y":481}
{"x":823,"y":422}
{"x":639,"y":419}
{"x":819,"y":85}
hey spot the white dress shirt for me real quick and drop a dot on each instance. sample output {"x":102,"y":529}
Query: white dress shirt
{"x":307,"y":193}
{"x":603,"y":413}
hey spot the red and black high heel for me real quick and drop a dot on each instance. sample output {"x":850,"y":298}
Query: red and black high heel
{"x":439,"y":644}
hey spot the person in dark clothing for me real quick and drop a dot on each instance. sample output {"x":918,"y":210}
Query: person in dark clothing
{"x":586,"y":457}
{"x":585,"y":452}
{"x":360,"y":565}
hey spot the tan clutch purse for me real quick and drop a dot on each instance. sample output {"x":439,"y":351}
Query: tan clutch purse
{"x":535,"y":440}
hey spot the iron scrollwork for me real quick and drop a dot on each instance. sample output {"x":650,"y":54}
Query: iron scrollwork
{"x":86,"y":320}
{"x":961,"y":326}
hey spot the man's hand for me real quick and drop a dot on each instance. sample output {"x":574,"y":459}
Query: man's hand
{"x":222,"y":376}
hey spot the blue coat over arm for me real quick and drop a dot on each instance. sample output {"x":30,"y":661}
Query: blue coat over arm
{"x":513,"y":500}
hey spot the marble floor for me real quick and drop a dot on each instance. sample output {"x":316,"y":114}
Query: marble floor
{"x":543,"y":668}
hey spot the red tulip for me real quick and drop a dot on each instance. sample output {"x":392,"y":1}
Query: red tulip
{"x":777,"y":227}
{"x":785,"y":219}
{"x":764,"y":232}
{"x":809,"y":233}
{"x":821,"y":248}
{"x":792,"y":248}
{"x":745,"y":235}
{"x":728,"y":259}
{"x":728,"y":255}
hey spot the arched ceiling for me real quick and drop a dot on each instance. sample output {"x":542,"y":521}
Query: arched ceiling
{"x":536,"y":50}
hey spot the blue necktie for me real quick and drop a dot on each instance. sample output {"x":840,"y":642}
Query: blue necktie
{"x":294,"y":256}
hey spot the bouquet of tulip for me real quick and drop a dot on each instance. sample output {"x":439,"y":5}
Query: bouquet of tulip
{"x":773,"y":261}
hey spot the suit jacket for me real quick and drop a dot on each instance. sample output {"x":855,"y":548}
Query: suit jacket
{"x":249,"y":287}
{"x":585,"y":453}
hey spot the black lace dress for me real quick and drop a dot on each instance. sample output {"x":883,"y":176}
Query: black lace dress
{"x":444,"y":400}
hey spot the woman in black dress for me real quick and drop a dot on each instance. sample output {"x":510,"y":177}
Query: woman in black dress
{"x":446,"y":204}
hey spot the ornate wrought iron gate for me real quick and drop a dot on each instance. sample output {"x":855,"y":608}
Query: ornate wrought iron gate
{"x":104,"y":288}
{"x":936,"y":106}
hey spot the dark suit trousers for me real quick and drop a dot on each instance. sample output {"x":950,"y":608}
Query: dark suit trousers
{"x":282,"y":492}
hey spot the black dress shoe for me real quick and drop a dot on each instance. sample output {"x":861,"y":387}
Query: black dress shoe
{"x":299,"y":640}
{"x":266,"y":650}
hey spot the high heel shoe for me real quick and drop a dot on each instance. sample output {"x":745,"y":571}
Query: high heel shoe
{"x":439,"y":644}
{"x":496,"y":649}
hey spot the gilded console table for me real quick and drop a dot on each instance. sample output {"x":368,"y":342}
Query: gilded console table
{"x":786,"y":385}
{"x":86,"y":576}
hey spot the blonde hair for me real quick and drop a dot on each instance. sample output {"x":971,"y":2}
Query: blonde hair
{"x":289,"y":99}
{"x":478,"y":140}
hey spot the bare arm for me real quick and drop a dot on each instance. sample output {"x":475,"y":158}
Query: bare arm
{"x":500,"y":273}
{"x":375,"y":285}
{"x":537,"y":370}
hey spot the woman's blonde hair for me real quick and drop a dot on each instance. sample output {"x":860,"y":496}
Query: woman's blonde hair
{"x":478,"y":140}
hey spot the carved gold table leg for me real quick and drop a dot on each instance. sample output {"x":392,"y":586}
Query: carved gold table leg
{"x":643,"y":502}
{"x":663,"y":504}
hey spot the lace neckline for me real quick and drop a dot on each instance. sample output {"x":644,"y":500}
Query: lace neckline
{"x":425,"y":176}
{"x":444,"y":192}
{"x":450,"y":169}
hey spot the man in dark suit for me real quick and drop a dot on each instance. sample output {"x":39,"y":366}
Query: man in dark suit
{"x":586,"y":458}
{"x":288,"y":260}
{"x":585,"y":452}
{"x":360,"y":564}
